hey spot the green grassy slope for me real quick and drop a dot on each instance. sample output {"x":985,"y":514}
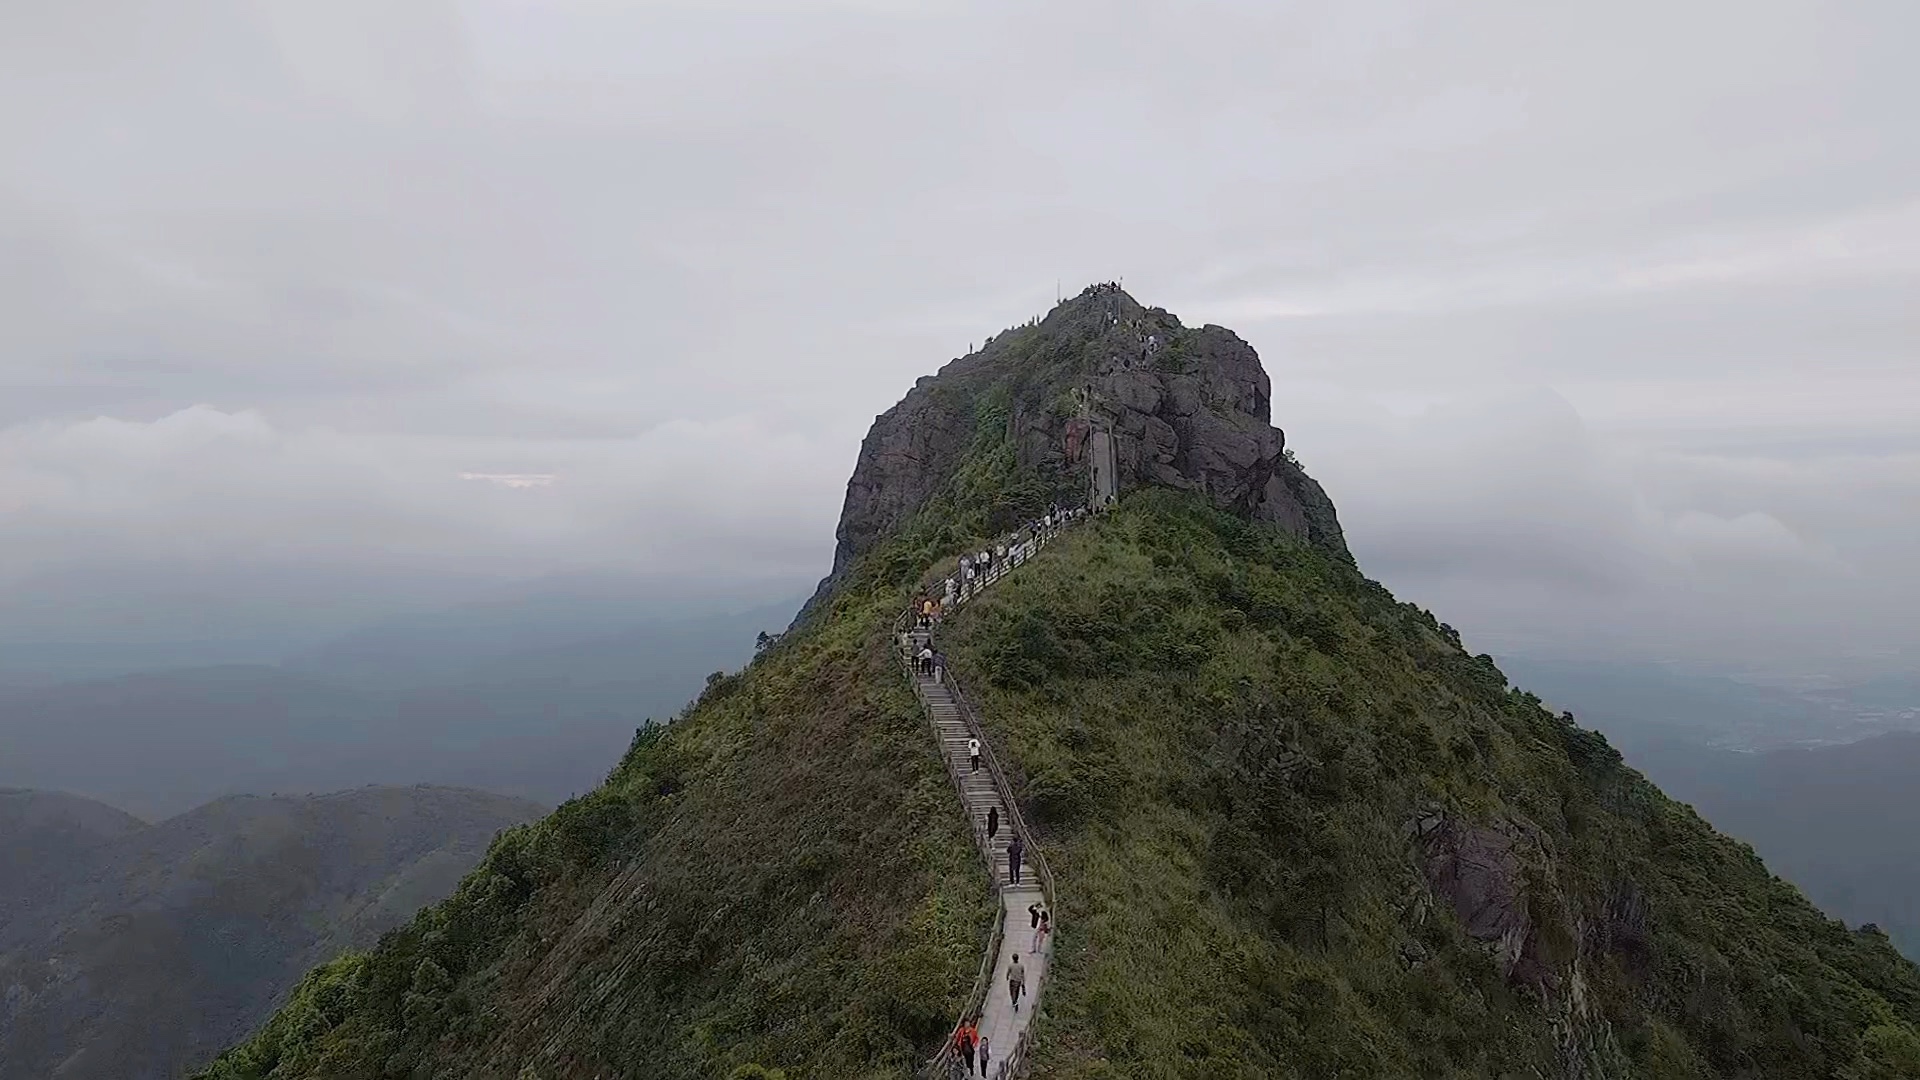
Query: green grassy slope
{"x":1296,"y":829}
{"x":1229,"y":740}
{"x":779,"y":876}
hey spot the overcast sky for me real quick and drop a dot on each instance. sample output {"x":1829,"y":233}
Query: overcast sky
{"x":1601,"y":323}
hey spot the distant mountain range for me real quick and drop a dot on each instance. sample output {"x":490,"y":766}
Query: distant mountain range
{"x":530,"y":698}
{"x":131,"y":951}
{"x":1645,"y":704}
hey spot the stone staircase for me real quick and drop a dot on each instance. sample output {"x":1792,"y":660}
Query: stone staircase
{"x":982,"y":790}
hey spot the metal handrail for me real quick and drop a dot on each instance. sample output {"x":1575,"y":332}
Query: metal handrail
{"x":1017,"y":822}
{"x":1017,"y":555}
{"x":976,"y":998}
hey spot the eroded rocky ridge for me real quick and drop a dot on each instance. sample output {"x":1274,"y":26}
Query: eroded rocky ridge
{"x":1187,"y":408}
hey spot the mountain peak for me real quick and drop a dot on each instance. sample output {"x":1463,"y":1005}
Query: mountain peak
{"x":1099,"y":376}
{"x":1290,"y":818}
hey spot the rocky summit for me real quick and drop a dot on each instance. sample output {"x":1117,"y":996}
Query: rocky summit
{"x":1185,"y":408}
{"x":1285,"y":824}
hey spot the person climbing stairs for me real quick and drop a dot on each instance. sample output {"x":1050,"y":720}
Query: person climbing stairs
{"x":993,"y":817}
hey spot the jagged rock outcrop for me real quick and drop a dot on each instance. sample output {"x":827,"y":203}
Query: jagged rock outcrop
{"x":1476,"y":869}
{"x":1185,"y":408}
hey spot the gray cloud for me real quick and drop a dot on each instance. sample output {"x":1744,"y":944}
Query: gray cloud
{"x":1598,"y":324}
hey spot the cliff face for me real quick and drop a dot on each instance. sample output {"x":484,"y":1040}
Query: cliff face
{"x":1188,"y":409}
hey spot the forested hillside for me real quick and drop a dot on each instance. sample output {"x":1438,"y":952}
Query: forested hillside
{"x":1297,"y":830}
{"x":1307,"y":834}
{"x":133,"y":952}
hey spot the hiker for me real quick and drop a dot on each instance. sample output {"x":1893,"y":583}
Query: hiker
{"x":953,"y":591}
{"x":973,"y":752}
{"x":1016,"y":848}
{"x":939,"y":666}
{"x":1041,"y":932}
{"x":1033,"y":915}
{"x":963,"y":1042}
{"x":926,"y":660}
{"x":1016,"y":982}
{"x":982,"y":1048}
{"x":993,"y":822}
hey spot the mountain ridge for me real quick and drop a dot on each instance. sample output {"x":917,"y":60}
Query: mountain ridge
{"x":145,"y":952}
{"x":1186,"y":408}
{"x":1303,"y":831}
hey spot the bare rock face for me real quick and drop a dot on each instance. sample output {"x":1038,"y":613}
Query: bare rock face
{"x":1622,"y":930}
{"x":1184,"y":408}
{"x":908,"y":454}
{"x":1477,"y":871}
{"x":1192,"y":409}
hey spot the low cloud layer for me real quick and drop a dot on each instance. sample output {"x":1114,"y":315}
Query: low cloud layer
{"x":1511,"y":515}
{"x":1599,"y":325}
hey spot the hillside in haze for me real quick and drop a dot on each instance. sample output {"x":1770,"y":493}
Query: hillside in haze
{"x":134,"y":951}
{"x":1841,"y":822}
{"x":1813,"y":779}
{"x":1297,"y":830}
{"x":531,"y":698}
{"x":1651,"y":705}
{"x":46,"y":833}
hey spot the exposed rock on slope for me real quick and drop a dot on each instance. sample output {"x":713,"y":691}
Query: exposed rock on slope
{"x":144,"y":953}
{"x":1189,"y":409}
{"x":1300,"y":832}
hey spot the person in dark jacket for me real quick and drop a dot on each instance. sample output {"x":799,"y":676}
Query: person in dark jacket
{"x":1016,"y":850}
{"x":993,"y":822}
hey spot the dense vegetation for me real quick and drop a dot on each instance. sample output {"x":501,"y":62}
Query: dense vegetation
{"x":1228,"y":738}
{"x":1841,"y":822}
{"x":778,"y":877}
{"x":1297,"y":829}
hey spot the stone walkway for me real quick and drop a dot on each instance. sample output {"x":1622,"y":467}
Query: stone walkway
{"x":1003,"y":1027}
{"x":1000,"y":1024}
